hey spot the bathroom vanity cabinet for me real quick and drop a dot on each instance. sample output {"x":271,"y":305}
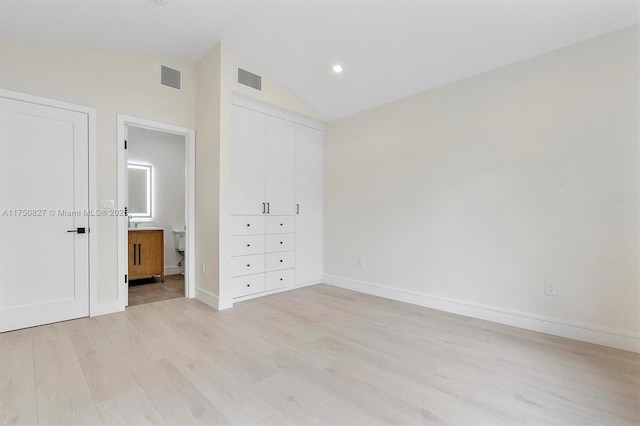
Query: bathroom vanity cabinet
{"x":146,"y":253}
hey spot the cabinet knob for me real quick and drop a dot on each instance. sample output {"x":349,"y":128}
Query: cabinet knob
{"x":248,"y":265}
{"x":248,"y":285}
{"x":280,"y":242}
{"x":248,"y":224}
{"x":280,"y":261}
{"x":280,"y":279}
{"x":248,"y":245}
{"x":280,"y":224}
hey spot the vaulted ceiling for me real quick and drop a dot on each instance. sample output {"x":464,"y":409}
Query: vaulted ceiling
{"x":389,"y":49}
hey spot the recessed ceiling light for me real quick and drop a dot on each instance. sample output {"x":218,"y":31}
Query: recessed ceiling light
{"x":337,"y":68}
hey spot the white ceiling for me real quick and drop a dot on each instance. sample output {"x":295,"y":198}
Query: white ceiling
{"x":389,"y":48}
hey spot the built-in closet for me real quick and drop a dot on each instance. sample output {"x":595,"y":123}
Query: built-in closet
{"x":276,"y":200}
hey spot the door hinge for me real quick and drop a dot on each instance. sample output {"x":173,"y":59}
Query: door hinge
{"x":126,"y":211}
{"x":126,"y":278}
{"x":125,"y":144}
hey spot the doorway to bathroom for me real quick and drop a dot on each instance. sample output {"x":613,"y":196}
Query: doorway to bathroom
{"x":156,"y":193}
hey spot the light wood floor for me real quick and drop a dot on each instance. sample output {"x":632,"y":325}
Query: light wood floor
{"x":317,"y":355}
{"x":153,"y":290}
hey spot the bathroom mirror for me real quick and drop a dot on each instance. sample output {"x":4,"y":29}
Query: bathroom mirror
{"x":139,"y":182}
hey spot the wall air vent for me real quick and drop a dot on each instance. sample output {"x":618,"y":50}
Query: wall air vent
{"x":249,"y":79}
{"x":170,"y":77}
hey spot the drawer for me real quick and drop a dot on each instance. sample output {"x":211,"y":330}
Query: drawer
{"x":247,"y":225}
{"x":243,"y":286}
{"x":283,"y":260}
{"x":280,"y":279}
{"x":243,"y":245}
{"x":281,"y":224}
{"x":246,"y":265}
{"x":281,"y":242}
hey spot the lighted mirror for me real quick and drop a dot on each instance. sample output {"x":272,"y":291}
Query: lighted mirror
{"x":139,"y":182}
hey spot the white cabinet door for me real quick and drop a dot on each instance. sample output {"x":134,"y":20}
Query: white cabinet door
{"x":309,"y":197}
{"x":279,"y":279}
{"x":245,"y":245}
{"x":247,"y":265}
{"x":281,"y":224}
{"x":280,"y":167}
{"x":247,"y":161}
{"x":247,"y":225}
{"x":250,"y":284}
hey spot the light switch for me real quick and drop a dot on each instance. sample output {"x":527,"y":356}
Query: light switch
{"x":107,"y":204}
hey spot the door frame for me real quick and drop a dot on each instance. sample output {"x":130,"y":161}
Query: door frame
{"x":94,"y":307}
{"x":190,"y":201}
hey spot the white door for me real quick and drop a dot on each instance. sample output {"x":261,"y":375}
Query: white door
{"x":247,"y":161}
{"x":309,"y":197}
{"x":280,"y":167}
{"x":44,"y":260}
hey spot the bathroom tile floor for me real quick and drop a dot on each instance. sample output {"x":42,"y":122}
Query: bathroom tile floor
{"x":153,"y":290}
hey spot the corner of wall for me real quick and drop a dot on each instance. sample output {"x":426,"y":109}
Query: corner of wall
{"x":208,"y":119}
{"x":272,"y":92}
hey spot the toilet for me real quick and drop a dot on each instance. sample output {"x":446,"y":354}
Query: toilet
{"x":178,"y":237}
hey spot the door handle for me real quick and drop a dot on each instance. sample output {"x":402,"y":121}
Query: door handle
{"x":264,"y":208}
{"x":267,"y":208}
{"x":78,"y":230}
{"x":135,"y":254}
{"x":297,"y":208}
{"x":139,"y":251}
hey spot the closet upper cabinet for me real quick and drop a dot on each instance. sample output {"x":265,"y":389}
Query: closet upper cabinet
{"x":280,"y":167}
{"x":248,"y":162}
{"x":263,"y":165}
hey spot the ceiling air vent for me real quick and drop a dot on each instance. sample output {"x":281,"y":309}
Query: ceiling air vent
{"x":170,"y":77}
{"x":249,"y":79}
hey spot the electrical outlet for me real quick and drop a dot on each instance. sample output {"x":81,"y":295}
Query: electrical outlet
{"x":361,"y":262}
{"x":549,"y":289}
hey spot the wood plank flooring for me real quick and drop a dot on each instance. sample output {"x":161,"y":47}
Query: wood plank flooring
{"x":317,"y":355}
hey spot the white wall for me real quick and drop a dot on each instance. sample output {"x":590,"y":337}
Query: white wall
{"x":482,"y":190}
{"x":113,"y":83}
{"x":165,"y":152}
{"x":208,"y":174}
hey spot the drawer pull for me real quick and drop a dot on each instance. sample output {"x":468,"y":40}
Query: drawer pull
{"x":248,"y":285}
{"x":280,"y":279}
{"x":248,"y":245}
{"x":281,"y":224}
{"x":280,"y":261}
{"x":248,"y":265}
{"x":248,"y":224}
{"x":280,"y":242}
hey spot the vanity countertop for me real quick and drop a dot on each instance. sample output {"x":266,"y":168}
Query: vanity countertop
{"x":146,"y":228}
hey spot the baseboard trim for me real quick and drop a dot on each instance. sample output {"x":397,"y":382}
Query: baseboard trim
{"x":605,"y":337}
{"x":173,"y":270}
{"x":106,"y":308}
{"x":212,"y":300}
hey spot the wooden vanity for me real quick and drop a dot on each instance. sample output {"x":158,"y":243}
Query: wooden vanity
{"x":146,"y":253}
